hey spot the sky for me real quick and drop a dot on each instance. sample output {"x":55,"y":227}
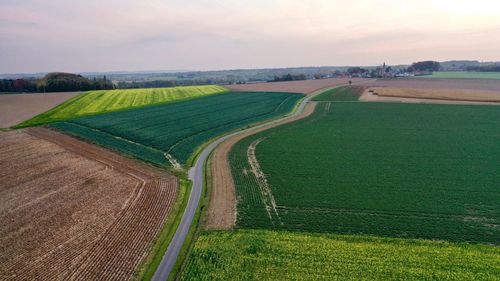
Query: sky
{"x":112,"y":35}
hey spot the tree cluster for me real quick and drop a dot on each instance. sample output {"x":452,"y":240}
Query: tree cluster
{"x":166,"y":83}
{"x":289,"y":77}
{"x":429,"y":66}
{"x":55,"y":82}
{"x":18,"y":85}
{"x":356,"y":70}
{"x":485,"y":68}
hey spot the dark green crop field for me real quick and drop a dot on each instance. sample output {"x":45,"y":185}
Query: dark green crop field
{"x":98,"y":102}
{"x":343,"y":93}
{"x":281,"y":255}
{"x":174,"y":131}
{"x":394,"y":170}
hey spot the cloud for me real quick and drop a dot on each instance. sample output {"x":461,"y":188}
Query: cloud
{"x":94,"y":35}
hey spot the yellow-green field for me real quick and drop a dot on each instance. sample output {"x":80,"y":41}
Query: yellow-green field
{"x":279,"y":255}
{"x":95,"y":102}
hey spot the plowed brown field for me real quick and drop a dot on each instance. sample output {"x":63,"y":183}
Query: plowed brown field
{"x":73,"y":211}
{"x":446,"y":84}
{"x":16,"y":108}
{"x":438,"y":94}
{"x":306,"y":86}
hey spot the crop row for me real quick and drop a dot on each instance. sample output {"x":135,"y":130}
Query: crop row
{"x":178,"y":128}
{"x":97,"y":102}
{"x":76,"y":218}
{"x":117,"y":254}
{"x":397,"y":170}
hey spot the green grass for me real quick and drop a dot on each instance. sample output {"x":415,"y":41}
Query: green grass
{"x":344,"y":93}
{"x":463,"y":75}
{"x":274,"y":255}
{"x":394,"y":170}
{"x":177,"y":129}
{"x":96,"y":102}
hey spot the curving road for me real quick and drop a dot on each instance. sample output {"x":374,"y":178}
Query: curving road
{"x":196,"y":175}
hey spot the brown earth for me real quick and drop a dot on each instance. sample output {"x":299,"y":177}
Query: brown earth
{"x":73,"y":211}
{"x":444,"y":84}
{"x":221,"y":212}
{"x":16,"y":108}
{"x":439,"y":94}
{"x":306,"y":86}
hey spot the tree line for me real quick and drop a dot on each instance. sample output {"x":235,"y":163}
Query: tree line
{"x":55,"y":82}
{"x":429,"y":66}
{"x":289,"y":77}
{"x":485,"y":68}
{"x":167,"y":83}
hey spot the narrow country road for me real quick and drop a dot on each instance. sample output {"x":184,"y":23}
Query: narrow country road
{"x":196,"y":175}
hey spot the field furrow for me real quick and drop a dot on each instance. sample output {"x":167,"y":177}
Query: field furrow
{"x":89,"y":218}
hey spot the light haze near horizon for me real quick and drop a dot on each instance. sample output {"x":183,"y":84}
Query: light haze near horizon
{"x":111,"y":35}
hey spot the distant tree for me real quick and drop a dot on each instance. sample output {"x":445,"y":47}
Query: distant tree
{"x":354,"y":70}
{"x":62,"y":82}
{"x":289,"y":77}
{"x":426,"y":66}
{"x":18,"y":85}
{"x":299,"y":77}
{"x":485,"y":68}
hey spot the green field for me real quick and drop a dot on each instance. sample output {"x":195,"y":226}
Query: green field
{"x":96,"y":102}
{"x":177,"y":129}
{"x":345,"y":93}
{"x":275,"y":255}
{"x":463,"y":75}
{"x":394,"y":170}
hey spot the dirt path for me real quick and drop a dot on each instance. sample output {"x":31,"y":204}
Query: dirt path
{"x":75,"y":211}
{"x":394,"y":97}
{"x":222,"y":207}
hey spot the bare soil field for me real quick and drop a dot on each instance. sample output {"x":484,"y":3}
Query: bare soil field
{"x":370,"y":97}
{"x":73,"y":211}
{"x":306,"y":86}
{"x":444,"y":84}
{"x":439,"y":94}
{"x":16,"y":108}
{"x":221,"y":212}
